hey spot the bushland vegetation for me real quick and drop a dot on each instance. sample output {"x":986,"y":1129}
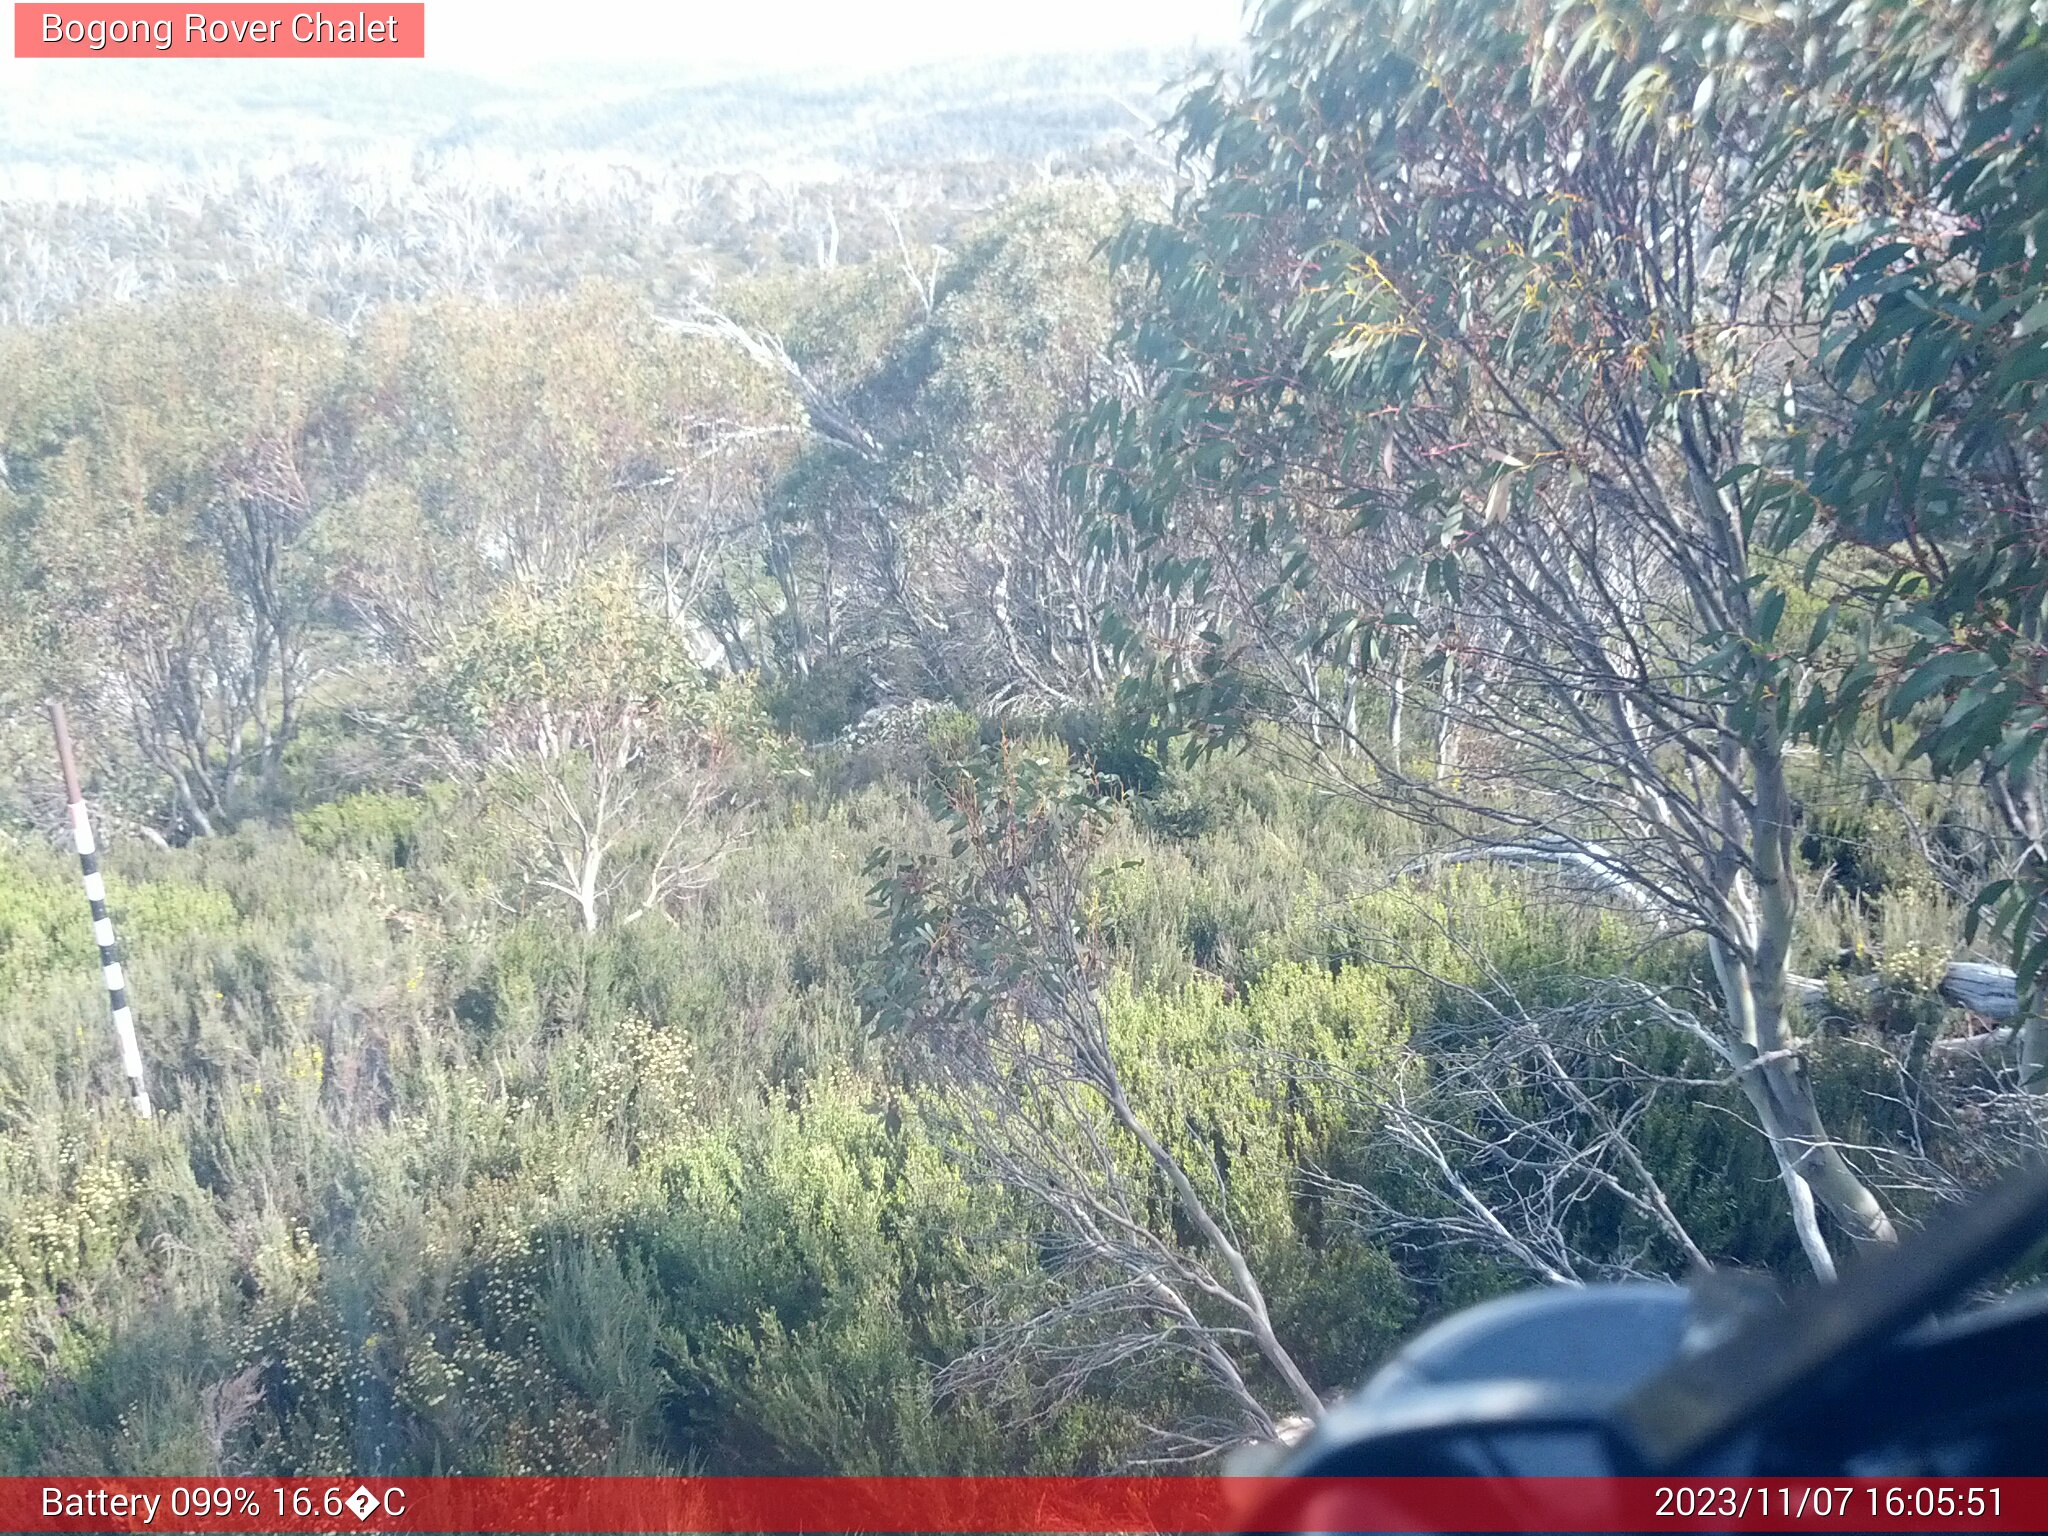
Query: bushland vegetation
{"x":1020,"y":852}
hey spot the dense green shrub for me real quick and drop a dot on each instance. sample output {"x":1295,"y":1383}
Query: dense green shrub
{"x":437,"y":1189}
{"x":819,"y":705}
{"x":46,"y":931}
{"x":371,"y":824}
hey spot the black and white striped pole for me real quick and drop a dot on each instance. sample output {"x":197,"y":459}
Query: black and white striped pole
{"x":102,"y":925}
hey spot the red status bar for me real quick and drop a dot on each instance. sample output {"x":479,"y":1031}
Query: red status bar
{"x":1208,"y":1506}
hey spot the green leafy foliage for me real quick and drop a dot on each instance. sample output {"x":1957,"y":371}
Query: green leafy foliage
{"x":1936,"y":295}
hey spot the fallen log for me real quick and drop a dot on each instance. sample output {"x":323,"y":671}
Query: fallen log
{"x":1991,"y":991}
{"x":1976,"y":986}
{"x":1588,"y":864}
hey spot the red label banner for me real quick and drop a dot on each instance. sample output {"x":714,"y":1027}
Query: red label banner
{"x":974,"y":1506}
{"x":376,"y":31}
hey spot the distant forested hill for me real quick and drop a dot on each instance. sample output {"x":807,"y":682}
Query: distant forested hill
{"x":146,"y":127}
{"x":336,"y":187}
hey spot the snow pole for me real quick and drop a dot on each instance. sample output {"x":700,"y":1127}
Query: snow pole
{"x":102,"y":925}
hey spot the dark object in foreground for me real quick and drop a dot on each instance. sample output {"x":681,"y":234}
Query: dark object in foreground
{"x":1878,"y":1376}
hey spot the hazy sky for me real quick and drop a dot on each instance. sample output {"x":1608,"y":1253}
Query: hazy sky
{"x":805,"y":34}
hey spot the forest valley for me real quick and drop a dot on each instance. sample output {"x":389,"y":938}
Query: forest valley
{"x":1007,"y":820}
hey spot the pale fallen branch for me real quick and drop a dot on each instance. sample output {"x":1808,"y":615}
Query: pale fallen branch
{"x":1977,"y":986}
{"x":1587,"y":862}
{"x":1989,"y":990}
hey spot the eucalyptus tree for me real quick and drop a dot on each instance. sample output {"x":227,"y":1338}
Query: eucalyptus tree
{"x":598,"y":748}
{"x":930,"y":534}
{"x":521,"y":445}
{"x":1452,"y":359}
{"x":166,"y":481}
{"x":1921,"y":452}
